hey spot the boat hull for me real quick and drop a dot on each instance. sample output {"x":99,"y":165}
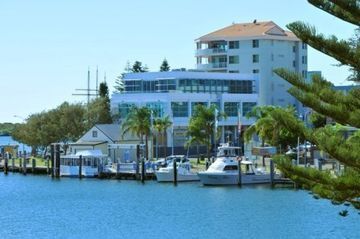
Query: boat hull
{"x":169,"y":177}
{"x":73,"y":171}
{"x":232,"y":178}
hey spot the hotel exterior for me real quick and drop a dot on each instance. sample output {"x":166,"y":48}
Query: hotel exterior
{"x":256,"y":48}
{"x":176,"y":93}
{"x":234,"y":71}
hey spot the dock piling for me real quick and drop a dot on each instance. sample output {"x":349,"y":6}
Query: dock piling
{"x":272,"y":171}
{"x":52,"y":159}
{"x":57,"y":160}
{"x":143,"y":170}
{"x":80,"y":166}
{"x":175,"y":171}
{"x":24,"y":163}
{"x":239,"y":173}
{"x":6,"y":164}
{"x":33,"y":166}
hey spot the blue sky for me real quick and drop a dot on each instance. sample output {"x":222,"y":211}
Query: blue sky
{"x":46,"y":46}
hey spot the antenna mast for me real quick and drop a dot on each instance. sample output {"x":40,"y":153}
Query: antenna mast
{"x":88,"y":89}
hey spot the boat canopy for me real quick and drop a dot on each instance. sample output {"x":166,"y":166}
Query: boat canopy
{"x":95,"y":153}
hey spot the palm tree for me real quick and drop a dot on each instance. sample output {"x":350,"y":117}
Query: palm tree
{"x":161,"y":125}
{"x":138,"y":122}
{"x":268,"y":128}
{"x":202,"y":125}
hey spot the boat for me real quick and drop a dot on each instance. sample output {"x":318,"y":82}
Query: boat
{"x":225,"y":171}
{"x":91,"y":161}
{"x":183,"y":167}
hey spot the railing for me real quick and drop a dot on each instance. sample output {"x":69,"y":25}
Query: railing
{"x":211,"y":66}
{"x":209,"y":51}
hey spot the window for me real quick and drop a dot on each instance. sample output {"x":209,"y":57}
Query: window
{"x":304,"y":59}
{"x":256,"y":71}
{"x":233,"y":44}
{"x":255,"y":58}
{"x":180,"y":109}
{"x":233,"y":59}
{"x":157,"y":108}
{"x":304,"y":74}
{"x":294,"y":48}
{"x":294,"y":63}
{"x":304,"y":45}
{"x":255,"y":43}
{"x":247,"y":107}
{"x":124,"y":109}
{"x":94,"y":134}
{"x":233,"y":71}
{"x":231,"y":109}
{"x":230,"y":167}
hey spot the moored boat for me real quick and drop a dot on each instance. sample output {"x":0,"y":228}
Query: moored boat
{"x":183,"y":167}
{"x":91,"y":161}
{"x":225,"y":171}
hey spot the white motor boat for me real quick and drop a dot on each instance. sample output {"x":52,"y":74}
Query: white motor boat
{"x":225,"y":171}
{"x":183,"y":167}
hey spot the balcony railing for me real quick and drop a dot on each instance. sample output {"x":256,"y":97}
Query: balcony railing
{"x":210,"y":51}
{"x":210,"y":66}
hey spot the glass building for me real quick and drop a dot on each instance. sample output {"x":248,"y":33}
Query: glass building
{"x":176,"y":93}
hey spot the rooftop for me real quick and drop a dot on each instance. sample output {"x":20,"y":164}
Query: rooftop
{"x":188,"y":75}
{"x":254,"y":29}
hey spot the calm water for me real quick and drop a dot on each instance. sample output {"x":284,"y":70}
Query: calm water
{"x":38,"y":207}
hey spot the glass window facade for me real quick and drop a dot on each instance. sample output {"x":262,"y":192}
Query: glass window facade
{"x":192,"y":85}
{"x":180,"y":109}
{"x":247,"y":107}
{"x":231,"y":109}
{"x":125,"y":108}
{"x":216,"y":86}
{"x":157,"y":108}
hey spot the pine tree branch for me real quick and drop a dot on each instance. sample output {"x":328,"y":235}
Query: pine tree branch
{"x":341,"y":50}
{"x":338,"y":189}
{"x":346,"y":10}
{"x":332,"y":141}
{"x":319,"y":96}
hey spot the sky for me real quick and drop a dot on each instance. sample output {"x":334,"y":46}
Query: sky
{"x":47,"y":47}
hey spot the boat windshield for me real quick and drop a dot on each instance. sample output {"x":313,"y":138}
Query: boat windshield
{"x":227,"y":152}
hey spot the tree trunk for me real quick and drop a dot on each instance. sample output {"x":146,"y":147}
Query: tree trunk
{"x":165,"y":144}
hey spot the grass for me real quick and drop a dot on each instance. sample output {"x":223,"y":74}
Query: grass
{"x":40,"y":162}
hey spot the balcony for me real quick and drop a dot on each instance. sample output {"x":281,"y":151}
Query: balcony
{"x":212,"y":66}
{"x":210,"y":51}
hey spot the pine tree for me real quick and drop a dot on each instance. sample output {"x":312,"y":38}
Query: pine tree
{"x":138,"y":67}
{"x":164,"y":65}
{"x":343,"y":108}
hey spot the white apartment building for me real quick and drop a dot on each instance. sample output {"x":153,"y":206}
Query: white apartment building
{"x":258,"y":48}
{"x":176,"y":93}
